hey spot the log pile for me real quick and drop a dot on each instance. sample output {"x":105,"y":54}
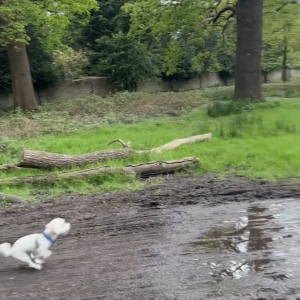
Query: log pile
{"x":45,"y":160}
{"x":140,"y":170}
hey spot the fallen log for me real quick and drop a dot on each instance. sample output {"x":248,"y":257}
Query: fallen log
{"x":12,"y":198}
{"x":142,"y":170}
{"x":45,"y":160}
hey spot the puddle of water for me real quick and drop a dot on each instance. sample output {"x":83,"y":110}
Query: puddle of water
{"x":257,"y":245}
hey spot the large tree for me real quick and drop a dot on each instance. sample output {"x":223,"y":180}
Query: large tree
{"x":167,"y":17}
{"x":249,"y":47}
{"x":51,"y":19}
{"x":174,"y":17}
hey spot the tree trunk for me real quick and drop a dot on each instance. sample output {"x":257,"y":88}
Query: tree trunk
{"x":248,"y":52}
{"x":284,"y":77}
{"x":22,"y":86}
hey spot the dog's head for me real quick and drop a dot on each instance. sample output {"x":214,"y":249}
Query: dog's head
{"x":58,"y":226}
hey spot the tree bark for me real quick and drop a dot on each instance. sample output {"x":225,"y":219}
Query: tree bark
{"x":44,"y":160}
{"x":22,"y":86}
{"x":142,"y":170}
{"x":248,"y":52}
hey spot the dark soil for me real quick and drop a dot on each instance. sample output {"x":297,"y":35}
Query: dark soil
{"x":120,"y":243}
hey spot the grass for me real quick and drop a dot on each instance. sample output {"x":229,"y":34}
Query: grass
{"x":91,"y":112}
{"x":256,"y":140}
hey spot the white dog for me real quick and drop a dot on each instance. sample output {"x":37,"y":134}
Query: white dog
{"x":33,"y":249}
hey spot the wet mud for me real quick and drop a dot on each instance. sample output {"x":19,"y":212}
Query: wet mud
{"x":188,"y":238}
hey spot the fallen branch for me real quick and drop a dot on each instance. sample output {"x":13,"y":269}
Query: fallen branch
{"x":142,"y":170}
{"x":8,"y":167}
{"x":176,"y":143}
{"x":12,"y":198}
{"x":45,"y":160}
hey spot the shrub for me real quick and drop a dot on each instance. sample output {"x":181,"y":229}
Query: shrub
{"x":73,"y":63}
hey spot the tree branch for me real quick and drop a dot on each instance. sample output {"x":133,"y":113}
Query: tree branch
{"x":215,"y":18}
{"x":227,"y":23}
{"x":3,"y":50}
{"x":223,"y":10}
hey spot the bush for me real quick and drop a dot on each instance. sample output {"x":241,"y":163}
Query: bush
{"x":72,"y":63}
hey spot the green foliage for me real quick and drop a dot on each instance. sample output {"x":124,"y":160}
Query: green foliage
{"x":126,"y":60}
{"x":51,"y":18}
{"x":106,"y":21}
{"x":73,"y":63}
{"x":10,"y":151}
{"x":45,"y":73}
{"x":188,"y":43}
{"x":280,"y":33}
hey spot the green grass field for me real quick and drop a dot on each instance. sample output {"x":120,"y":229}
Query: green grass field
{"x":255,"y":140}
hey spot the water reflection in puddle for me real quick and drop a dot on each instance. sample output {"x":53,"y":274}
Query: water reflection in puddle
{"x":263,"y":239}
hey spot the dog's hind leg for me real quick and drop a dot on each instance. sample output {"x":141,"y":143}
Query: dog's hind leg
{"x":24,"y":257}
{"x":40,"y":258}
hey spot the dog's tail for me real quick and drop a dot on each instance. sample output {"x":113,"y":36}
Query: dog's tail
{"x":5,"y":249}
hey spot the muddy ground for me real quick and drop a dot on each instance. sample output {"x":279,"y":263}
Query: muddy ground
{"x":161,"y":243}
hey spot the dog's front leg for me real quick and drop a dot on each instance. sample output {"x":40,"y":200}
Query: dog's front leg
{"x":39,"y":261}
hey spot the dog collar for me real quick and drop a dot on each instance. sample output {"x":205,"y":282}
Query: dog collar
{"x":48,"y":238}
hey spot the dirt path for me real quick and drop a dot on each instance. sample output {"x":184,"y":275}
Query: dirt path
{"x":130,"y":245}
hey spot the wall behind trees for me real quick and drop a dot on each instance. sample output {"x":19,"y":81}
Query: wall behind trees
{"x":103,"y":86}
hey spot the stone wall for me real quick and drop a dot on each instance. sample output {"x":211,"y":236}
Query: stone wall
{"x":103,"y":86}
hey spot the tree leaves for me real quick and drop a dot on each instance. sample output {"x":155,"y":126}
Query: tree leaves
{"x":50,"y":17}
